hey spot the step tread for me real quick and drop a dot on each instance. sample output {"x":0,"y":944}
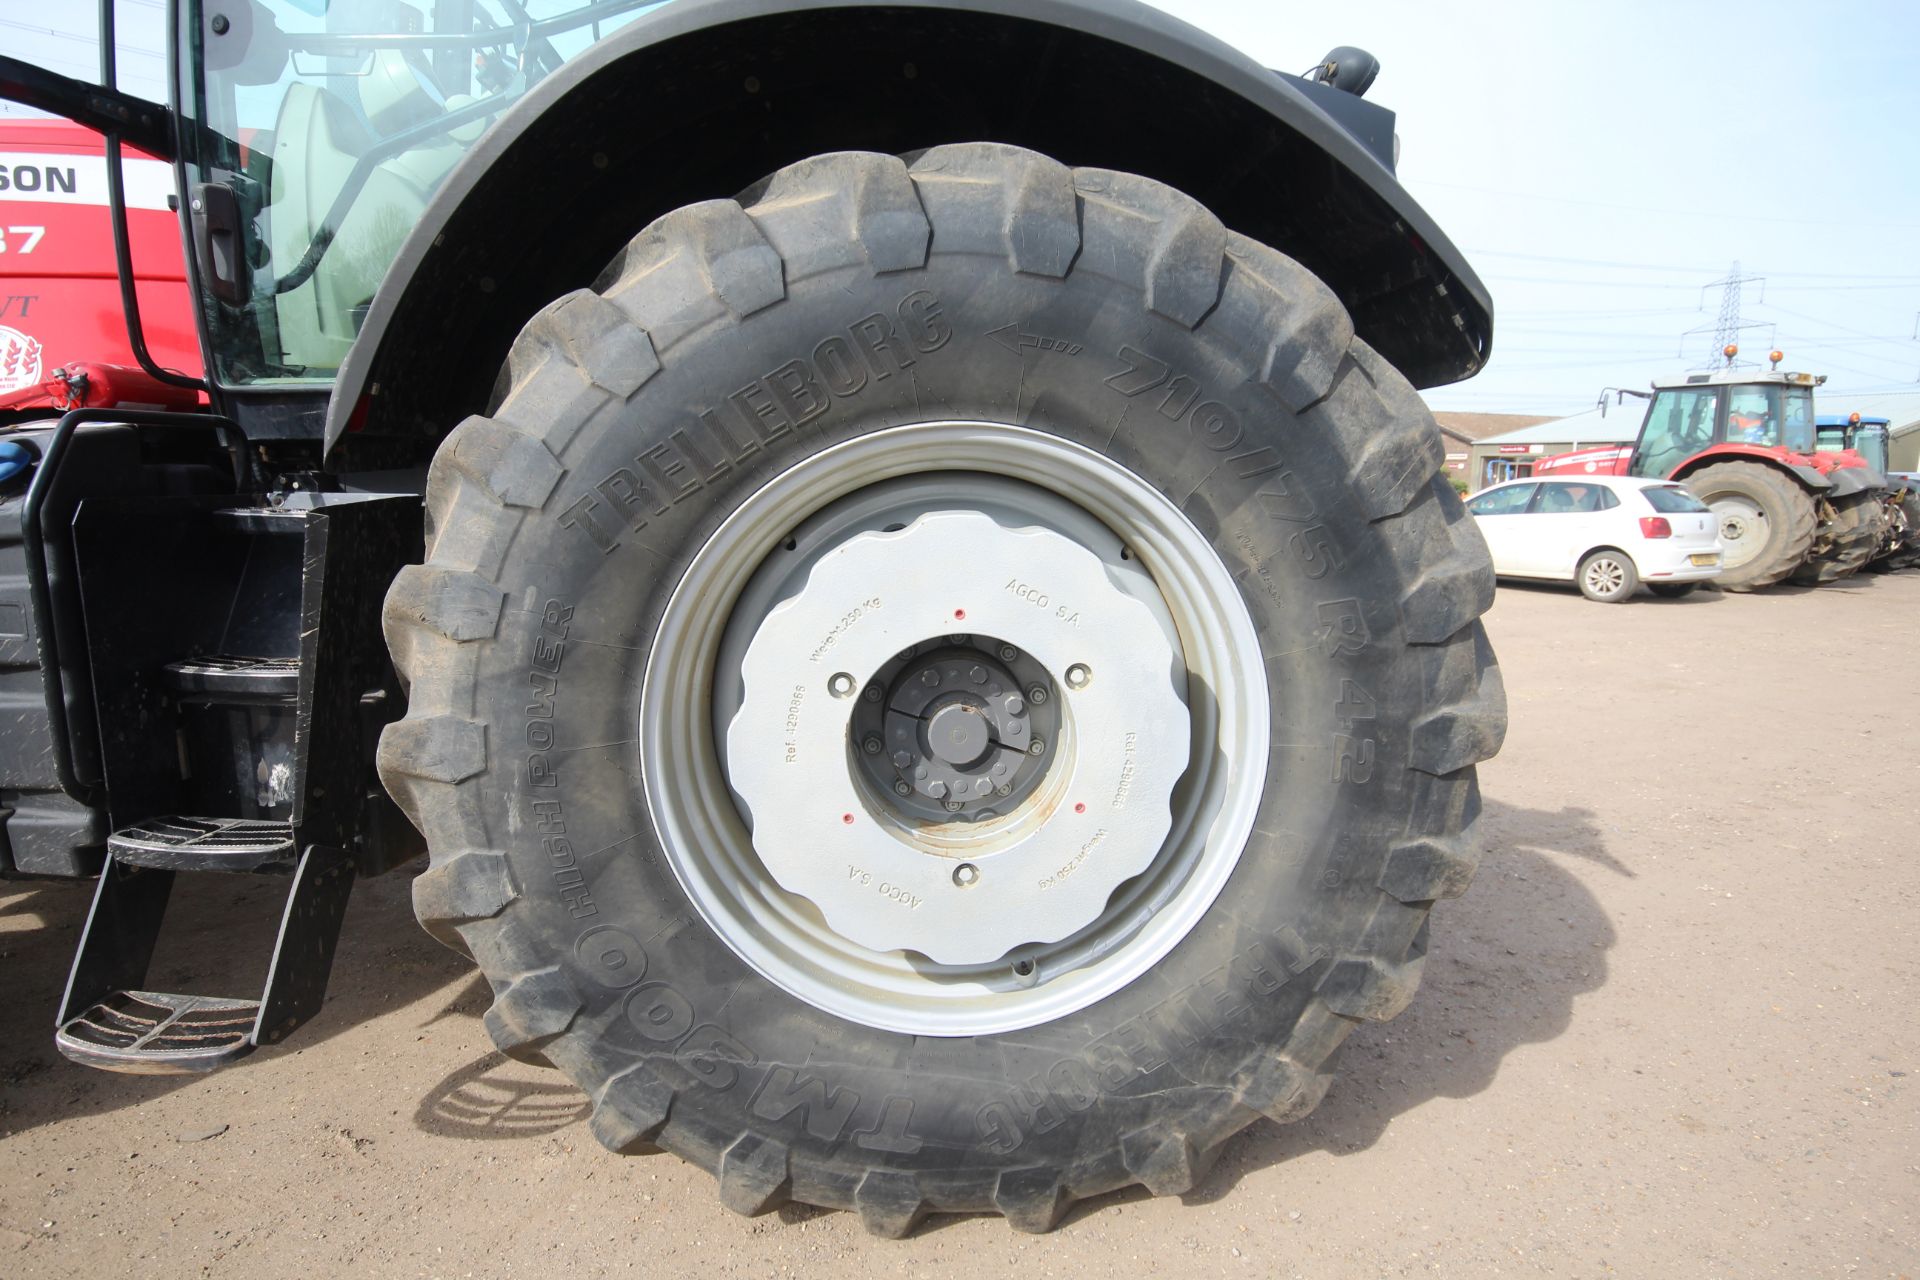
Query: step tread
{"x":231,"y":674}
{"x":183,"y":843}
{"x":154,"y":1033}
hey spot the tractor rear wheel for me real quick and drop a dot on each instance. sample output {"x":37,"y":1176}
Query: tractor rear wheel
{"x":1766,"y":522}
{"x":1859,"y":526}
{"x":949,"y":689}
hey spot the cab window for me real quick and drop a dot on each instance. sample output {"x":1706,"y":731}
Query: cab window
{"x":1679,"y":424}
{"x":1508,"y":501}
{"x":1753,"y":415}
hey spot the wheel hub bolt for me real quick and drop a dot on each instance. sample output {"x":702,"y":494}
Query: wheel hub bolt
{"x":902,"y":788}
{"x":872,"y":746}
{"x":902,"y":759}
{"x":1037,"y":696}
{"x":1037,"y":747}
{"x":937,"y":789}
{"x":977,"y":674}
{"x":953,"y":806}
{"x":1003,"y":790}
{"x":1008,"y":653}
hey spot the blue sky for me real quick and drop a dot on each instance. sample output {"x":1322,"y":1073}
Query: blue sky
{"x":1600,"y":164}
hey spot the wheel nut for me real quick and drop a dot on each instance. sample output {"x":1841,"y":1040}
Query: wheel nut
{"x":902,"y":788}
{"x":1014,"y":704}
{"x":978,"y":675}
{"x":872,"y":745}
{"x":1003,"y":790}
{"x":1008,"y":653}
{"x":936,"y":789}
{"x":953,"y":806}
{"x":874,"y":693}
{"x":1037,"y":747}
{"x":1037,"y":695}
{"x":901,"y":759}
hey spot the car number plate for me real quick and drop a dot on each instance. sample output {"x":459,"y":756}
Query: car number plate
{"x":1708,"y":558}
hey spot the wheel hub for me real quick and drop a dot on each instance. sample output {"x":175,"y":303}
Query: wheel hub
{"x":956,"y":729}
{"x":912,"y":766}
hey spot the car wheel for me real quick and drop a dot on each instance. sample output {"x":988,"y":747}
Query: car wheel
{"x":1608,"y":576}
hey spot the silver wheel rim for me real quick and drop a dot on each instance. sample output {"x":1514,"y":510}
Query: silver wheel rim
{"x":1605,"y":576}
{"x":693,"y":689}
{"x":1743,"y":528}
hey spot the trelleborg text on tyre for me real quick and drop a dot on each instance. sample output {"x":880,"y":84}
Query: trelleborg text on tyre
{"x":951,"y":688}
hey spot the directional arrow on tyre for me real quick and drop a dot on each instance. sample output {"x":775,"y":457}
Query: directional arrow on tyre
{"x":1010,"y":337}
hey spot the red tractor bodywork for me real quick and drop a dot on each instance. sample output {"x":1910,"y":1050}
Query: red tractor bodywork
{"x":60,"y":307}
{"x":1615,"y":460}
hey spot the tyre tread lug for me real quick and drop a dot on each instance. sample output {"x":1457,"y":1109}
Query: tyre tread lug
{"x":755,"y":1175}
{"x":450,"y":603}
{"x":890,"y":1203}
{"x":1165,"y":1161}
{"x":512,"y":467}
{"x":631,"y":1110}
{"x":1031,"y":1199}
{"x":531,"y":1010}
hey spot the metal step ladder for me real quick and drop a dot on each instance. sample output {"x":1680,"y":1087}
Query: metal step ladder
{"x":248,"y":756}
{"x":108,"y":1019}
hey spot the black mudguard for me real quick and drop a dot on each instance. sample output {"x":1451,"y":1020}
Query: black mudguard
{"x":1849,"y":480}
{"x":702,"y":98}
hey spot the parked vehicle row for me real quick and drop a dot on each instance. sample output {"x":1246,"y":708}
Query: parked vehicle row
{"x":1798,"y":498}
{"x":1605,"y":534}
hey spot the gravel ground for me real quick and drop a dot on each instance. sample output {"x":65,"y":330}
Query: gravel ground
{"x":1669,"y":1029}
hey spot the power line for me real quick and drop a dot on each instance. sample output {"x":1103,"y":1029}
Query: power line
{"x":1721,"y":215}
{"x":1649,"y":266}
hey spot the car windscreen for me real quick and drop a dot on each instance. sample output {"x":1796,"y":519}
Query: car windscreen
{"x":1671,"y":499}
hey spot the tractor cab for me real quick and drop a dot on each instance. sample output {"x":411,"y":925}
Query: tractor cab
{"x":1766,"y":412}
{"x":1866,"y":437}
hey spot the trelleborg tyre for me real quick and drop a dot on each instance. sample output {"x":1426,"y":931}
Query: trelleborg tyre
{"x":848,"y":402}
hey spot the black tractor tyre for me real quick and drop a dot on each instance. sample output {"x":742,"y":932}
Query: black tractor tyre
{"x":984,"y":284}
{"x":1788,"y":509}
{"x":1607,"y":576}
{"x":1672,"y":590}
{"x":1903,"y":514}
{"x":1859,"y":526}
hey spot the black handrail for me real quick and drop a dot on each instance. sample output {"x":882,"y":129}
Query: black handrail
{"x":117,"y":215}
{"x":40,"y":589}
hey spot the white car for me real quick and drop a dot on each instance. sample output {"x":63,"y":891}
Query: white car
{"x":1609,"y":534}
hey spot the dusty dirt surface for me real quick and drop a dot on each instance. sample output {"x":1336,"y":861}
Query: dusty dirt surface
{"x":1670,"y":1030}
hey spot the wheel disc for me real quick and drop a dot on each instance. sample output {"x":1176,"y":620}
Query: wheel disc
{"x":1605,"y":576}
{"x":1010,"y":911}
{"x":1743,"y":528}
